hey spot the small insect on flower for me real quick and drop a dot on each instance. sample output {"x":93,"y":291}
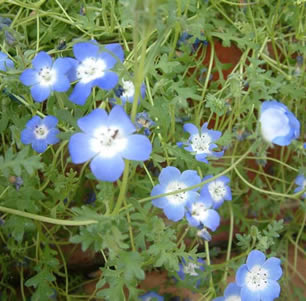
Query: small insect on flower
{"x":126,"y":91}
{"x":40,"y":133}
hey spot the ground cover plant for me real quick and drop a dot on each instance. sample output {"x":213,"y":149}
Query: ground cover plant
{"x":152,"y":150}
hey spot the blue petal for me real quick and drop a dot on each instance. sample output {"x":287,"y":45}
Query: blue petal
{"x":108,"y":81}
{"x":71,"y":74}
{"x":248,"y":295}
{"x":204,"y":127}
{"x":174,"y":213}
{"x":139,"y":148}
{"x":212,"y":221}
{"x":62,"y":65}
{"x":50,"y":122}
{"x":80,"y":93}
{"x":228,"y":194}
{"x":190,"y":178}
{"x":219,"y":299}
{"x":191,"y":128}
{"x":117,"y":50}
{"x":159,"y":202}
{"x":29,"y":77}
{"x":241,"y":275}
{"x":169,"y":174}
{"x":224,"y":179}
{"x":271,"y":291}
{"x":40,"y":93}
{"x":255,"y":257}
{"x":32,"y":123}
{"x":52,"y":136}
{"x":85,"y":49}
{"x":202,"y":158}
{"x":299,"y":180}
{"x":214,"y":135}
{"x":232,"y":289}
{"x":79,"y":148}
{"x":107,"y":169}
{"x":274,"y":269}
{"x":39,"y":145}
{"x":27,"y":136}
{"x":93,"y":120}
{"x":62,"y":83}
{"x":118,"y":118}
{"x":42,"y":59}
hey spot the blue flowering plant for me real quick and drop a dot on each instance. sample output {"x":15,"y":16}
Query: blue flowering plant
{"x":152,"y":150}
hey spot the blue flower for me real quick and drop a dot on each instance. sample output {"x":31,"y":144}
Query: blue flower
{"x":171,"y":179}
{"x":278,"y":124}
{"x":231,"y":293}
{"x":201,"y":143}
{"x":301,"y":182}
{"x":258,"y":277}
{"x":92,"y":68}
{"x":40,"y":133}
{"x":5,"y":62}
{"x":46,"y":76}
{"x":216,"y":191}
{"x":108,"y":139}
{"x":190,"y":268}
{"x":151,"y":296}
{"x":126,"y":92}
{"x":143,"y":120}
{"x":200,"y":214}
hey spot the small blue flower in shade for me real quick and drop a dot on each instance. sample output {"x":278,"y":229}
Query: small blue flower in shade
{"x":5,"y":62}
{"x":92,"y":68}
{"x":278,"y":124}
{"x":258,"y":277}
{"x":143,"y":120}
{"x":40,"y":133}
{"x":301,"y":182}
{"x":107,"y":140}
{"x":190,"y":268}
{"x":200,"y":214}
{"x":126,"y":91}
{"x":171,"y":179}
{"x":217,"y":191}
{"x":231,"y":293}
{"x":151,"y":296}
{"x":201,"y":143}
{"x":47,"y":76}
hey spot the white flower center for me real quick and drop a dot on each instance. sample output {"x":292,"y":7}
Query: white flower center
{"x":256,"y":279}
{"x":190,"y":269}
{"x":41,"y":131}
{"x":46,"y":76}
{"x":90,"y":69}
{"x":233,"y":298}
{"x":217,"y":190}
{"x":199,"y":211}
{"x":108,"y":142}
{"x":178,"y":198}
{"x":200,"y":144}
{"x":128,"y":89}
{"x":274,"y":123}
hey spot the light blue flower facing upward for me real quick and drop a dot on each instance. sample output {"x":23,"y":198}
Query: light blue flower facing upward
{"x":46,"y":76}
{"x":92,"y":68}
{"x":40,"y":133}
{"x":258,"y":277}
{"x":201,"y":143}
{"x":108,"y":139}
{"x":278,"y":124}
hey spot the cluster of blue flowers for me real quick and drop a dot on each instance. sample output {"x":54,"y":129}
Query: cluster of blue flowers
{"x":107,"y":139}
{"x":198,"y":207}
